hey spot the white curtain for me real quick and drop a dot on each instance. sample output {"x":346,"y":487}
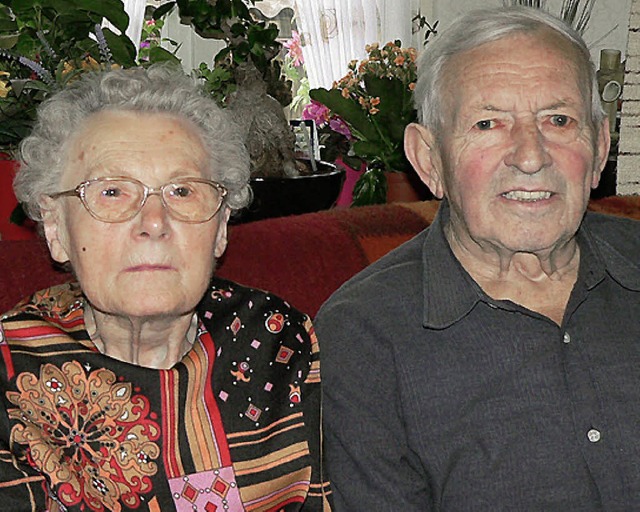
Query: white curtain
{"x":135,"y":10}
{"x":337,"y":31}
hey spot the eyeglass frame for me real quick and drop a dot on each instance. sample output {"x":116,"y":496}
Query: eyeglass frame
{"x":79,"y":192}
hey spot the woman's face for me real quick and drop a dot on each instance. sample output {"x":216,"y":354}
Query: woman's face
{"x":151,"y":265}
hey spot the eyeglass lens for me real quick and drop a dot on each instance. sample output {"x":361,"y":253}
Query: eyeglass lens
{"x":119,"y":200}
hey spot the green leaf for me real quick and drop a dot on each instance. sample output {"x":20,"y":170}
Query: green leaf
{"x":347,"y":109}
{"x":159,"y":54}
{"x":163,"y":9}
{"x":18,"y":216}
{"x":371,"y":188}
{"x":395,"y":107}
{"x":121,"y":48}
{"x":112,"y":10}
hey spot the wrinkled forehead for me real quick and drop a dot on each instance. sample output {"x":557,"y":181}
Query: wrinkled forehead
{"x":544,"y":46}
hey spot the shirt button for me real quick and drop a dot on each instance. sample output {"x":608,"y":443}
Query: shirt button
{"x":593,"y":435}
{"x":566,"y":338}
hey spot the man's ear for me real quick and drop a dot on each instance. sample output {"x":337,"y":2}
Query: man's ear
{"x":54,"y":229}
{"x":603,"y":144}
{"x":420,"y":148}
{"x":221,"y":237}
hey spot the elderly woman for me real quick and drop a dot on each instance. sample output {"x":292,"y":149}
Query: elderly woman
{"x":150,"y":384}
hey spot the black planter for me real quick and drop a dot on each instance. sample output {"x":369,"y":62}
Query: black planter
{"x":279,"y":197}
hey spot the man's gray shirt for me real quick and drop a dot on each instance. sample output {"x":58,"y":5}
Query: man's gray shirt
{"x":437,"y":397}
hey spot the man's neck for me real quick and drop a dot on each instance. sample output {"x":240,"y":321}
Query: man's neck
{"x":540,"y":282}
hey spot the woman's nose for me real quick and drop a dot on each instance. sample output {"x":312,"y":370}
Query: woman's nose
{"x":153,"y":218}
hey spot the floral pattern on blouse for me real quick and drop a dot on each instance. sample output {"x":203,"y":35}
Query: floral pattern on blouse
{"x":89,"y":432}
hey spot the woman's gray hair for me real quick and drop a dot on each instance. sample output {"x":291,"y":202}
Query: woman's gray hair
{"x":481,"y":26}
{"x":157,"y":89}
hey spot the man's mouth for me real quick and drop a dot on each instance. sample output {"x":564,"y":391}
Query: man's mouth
{"x":526,"y":196}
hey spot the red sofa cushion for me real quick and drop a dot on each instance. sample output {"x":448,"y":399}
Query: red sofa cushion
{"x":301,"y":258}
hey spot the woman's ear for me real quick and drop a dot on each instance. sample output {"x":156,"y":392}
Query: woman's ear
{"x":221,"y":237}
{"x":54,"y":229}
{"x":421,"y":150}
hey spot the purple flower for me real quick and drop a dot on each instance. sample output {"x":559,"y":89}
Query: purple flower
{"x":145,"y":44}
{"x":317,"y":112}
{"x":338,"y":125}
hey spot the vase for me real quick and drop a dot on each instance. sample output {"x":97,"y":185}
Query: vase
{"x":281,"y":197}
{"x":405,"y":187}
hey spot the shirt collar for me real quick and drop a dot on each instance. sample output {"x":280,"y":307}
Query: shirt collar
{"x":450,"y":293}
{"x":606,"y":255}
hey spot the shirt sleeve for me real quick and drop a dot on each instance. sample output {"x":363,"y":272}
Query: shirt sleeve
{"x":21,"y":486}
{"x":319,"y":498}
{"x":368,"y":454}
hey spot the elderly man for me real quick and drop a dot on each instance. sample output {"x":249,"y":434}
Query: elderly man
{"x":493,"y":362}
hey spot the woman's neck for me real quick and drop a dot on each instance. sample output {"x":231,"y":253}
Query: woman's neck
{"x":149,"y":342}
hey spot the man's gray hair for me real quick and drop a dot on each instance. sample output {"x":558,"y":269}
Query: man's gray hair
{"x":159,"y":89}
{"x":481,"y":26}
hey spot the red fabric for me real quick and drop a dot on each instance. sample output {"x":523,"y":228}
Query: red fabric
{"x":303,"y":258}
{"x":25,"y":267}
{"x":8,"y":201}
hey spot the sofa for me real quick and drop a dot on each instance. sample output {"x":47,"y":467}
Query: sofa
{"x":301,"y":258}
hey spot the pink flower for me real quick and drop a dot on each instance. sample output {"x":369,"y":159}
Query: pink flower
{"x":338,"y":125}
{"x":294,"y":45}
{"x":317,"y":112}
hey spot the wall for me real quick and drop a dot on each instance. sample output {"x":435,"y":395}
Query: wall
{"x":608,"y":27}
{"x":628,"y":176}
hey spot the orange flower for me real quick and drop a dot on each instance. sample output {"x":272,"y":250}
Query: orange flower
{"x":399,"y":61}
{"x":4,"y":85}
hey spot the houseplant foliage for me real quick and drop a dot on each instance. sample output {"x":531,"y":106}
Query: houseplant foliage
{"x":246,"y":77}
{"x":374,"y":99}
{"x":46,"y":43}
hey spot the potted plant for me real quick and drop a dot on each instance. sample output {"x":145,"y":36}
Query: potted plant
{"x":246,"y":78}
{"x":375,"y":100}
{"x":44,"y":45}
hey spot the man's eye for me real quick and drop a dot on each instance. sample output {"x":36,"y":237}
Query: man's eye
{"x":560,"y":120}
{"x":485,"y":124}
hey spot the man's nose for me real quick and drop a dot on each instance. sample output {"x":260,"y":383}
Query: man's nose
{"x":529,"y":153}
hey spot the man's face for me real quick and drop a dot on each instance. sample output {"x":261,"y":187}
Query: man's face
{"x":519,"y":154}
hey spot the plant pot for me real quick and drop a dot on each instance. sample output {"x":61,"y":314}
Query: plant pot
{"x":403,"y":187}
{"x":280,"y":197}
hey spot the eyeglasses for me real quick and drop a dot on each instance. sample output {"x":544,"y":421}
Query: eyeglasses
{"x":118,"y":199}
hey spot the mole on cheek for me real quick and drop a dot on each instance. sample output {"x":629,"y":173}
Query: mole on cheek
{"x":84,"y":249}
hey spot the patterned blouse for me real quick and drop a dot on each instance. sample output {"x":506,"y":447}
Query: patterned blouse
{"x":234,"y":426}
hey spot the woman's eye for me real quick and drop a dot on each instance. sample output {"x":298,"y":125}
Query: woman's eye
{"x":485,"y":124}
{"x":112,"y":192}
{"x":181,"y":191}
